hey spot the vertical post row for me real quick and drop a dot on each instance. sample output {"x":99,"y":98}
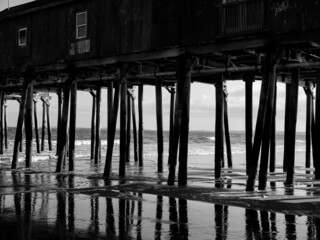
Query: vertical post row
{"x":248,"y":105}
{"x":28,"y":125}
{"x":27,"y":82}
{"x":219,"y":127}
{"x":72,"y":125}
{"x":140,"y":110}
{"x":98,"y":128}
{"x":271,"y":59}
{"x":159,"y":124}
{"x":36,"y":128}
{"x":293,"y":104}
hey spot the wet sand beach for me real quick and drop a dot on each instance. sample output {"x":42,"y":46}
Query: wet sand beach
{"x":38,"y":203}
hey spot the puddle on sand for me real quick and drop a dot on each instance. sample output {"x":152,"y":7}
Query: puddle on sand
{"x":67,"y":215}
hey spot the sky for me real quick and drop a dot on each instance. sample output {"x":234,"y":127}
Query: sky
{"x":202,"y":105}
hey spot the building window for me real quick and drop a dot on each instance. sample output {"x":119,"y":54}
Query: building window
{"x":81,"y":25}
{"x":22,"y":37}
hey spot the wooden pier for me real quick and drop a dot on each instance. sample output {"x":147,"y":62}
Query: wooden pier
{"x":87,"y":45}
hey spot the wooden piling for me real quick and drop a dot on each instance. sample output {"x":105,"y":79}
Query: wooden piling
{"x":184,"y":127}
{"x":123,"y":122}
{"x":26,"y":84}
{"x":112,"y":130}
{"x":249,"y":79}
{"x":1,"y":120}
{"x":43,"y":132}
{"x":219,"y":130}
{"x":273,"y":136}
{"x":93,"y":117}
{"x":171,"y":120}
{"x":184,"y":77}
{"x":264,"y":162}
{"x":308,"y":125}
{"x":5,"y":126}
{"x":98,"y":128}
{"x":269,"y":76}
{"x":313,"y":131}
{"x":128,"y":125}
{"x":140,"y":135}
{"x":286,"y":126}
{"x":36,"y":128}
{"x":317,"y":128}
{"x":293,"y":104}
{"x":110,"y":101}
{"x":72,"y":125}
{"x":63,"y":131}
{"x":59,"y":95}
{"x":226,"y":129}
{"x":49,"y":126}
{"x":134,"y":128}
{"x":158,"y":89}
{"x":28,"y":125}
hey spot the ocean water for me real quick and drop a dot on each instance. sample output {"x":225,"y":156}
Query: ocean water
{"x":200,"y":148}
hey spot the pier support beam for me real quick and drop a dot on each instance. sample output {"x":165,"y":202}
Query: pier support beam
{"x":171,"y":119}
{"x":248,"y":79}
{"x":98,"y":128}
{"x":134,"y":128}
{"x":26,"y":85}
{"x":28,"y":125}
{"x":59,"y":95}
{"x":219,"y":130}
{"x":181,"y":127}
{"x":112,"y":128}
{"x":291,"y":138}
{"x":63,"y":131}
{"x":317,"y":128}
{"x":43,"y":132}
{"x":5,"y":126}
{"x":140,"y":134}
{"x":72,"y":125}
{"x":226,"y":128}
{"x":273,"y":136}
{"x":1,"y":120}
{"x":93,"y":117}
{"x":269,"y":77}
{"x":36,"y":128}
{"x":123,"y":121}
{"x":266,"y":134}
{"x":128,"y":124}
{"x":49,"y":126}
{"x":309,"y":97}
{"x":286,"y":126}
{"x":159,"y":124}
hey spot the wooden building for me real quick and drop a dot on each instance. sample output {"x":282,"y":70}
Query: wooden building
{"x":89,"y":44}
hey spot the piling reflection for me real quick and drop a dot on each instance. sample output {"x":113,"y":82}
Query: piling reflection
{"x":70,"y":214}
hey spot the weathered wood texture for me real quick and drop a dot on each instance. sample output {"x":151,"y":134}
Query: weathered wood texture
{"x":28,"y":125}
{"x":118,"y":27}
{"x":72,"y":120}
{"x":159,"y":124}
{"x":36,"y":128}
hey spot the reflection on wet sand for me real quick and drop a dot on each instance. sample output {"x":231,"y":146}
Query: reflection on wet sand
{"x":65,"y":214}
